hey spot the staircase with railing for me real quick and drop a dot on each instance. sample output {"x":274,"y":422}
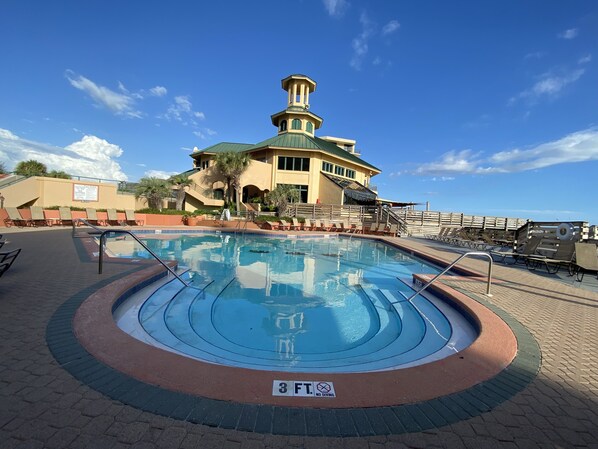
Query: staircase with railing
{"x":204,"y":195}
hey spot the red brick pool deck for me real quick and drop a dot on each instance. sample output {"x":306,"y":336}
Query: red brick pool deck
{"x":42,"y":405}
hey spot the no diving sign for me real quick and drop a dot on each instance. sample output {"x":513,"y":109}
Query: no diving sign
{"x":303,"y":388}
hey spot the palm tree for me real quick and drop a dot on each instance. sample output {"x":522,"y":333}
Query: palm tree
{"x":179,"y":182}
{"x":231,"y":166}
{"x":58,"y":174}
{"x":281,"y":196}
{"x":31,"y":168}
{"x":154,"y":190}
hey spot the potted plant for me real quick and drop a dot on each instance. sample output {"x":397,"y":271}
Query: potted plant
{"x":189,"y":219}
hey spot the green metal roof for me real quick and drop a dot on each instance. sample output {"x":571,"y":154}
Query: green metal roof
{"x":223,"y":147}
{"x":303,"y":141}
{"x":296,"y":141}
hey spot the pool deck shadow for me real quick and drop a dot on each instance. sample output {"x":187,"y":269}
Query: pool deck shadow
{"x":43,"y":405}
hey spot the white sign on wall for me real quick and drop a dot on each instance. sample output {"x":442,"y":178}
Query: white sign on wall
{"x":84,"y":192}
{"x":303,"y":388}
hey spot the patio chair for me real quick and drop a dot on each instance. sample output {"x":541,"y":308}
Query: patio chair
{"x":272,"y":225}
{"x":14,"y":218}
{"x":308,"y":225}
{"x":37,"y":216}
{"x":131,"y":219}
{"x":393,"y":231}
{"x":113,"y":217}
{"x":586,"y":260}
{"x":381,"y":229}
{"x":371,"y":229}
{"x":325,"y":225}
{"x":562,"y":257}
{"x":529,"y":248}
{"x":7,"y":259}
{"x":295,"y":226}
{"x":92,"y":217}
{"x":66,"y":218}
{"x":284,"y":225}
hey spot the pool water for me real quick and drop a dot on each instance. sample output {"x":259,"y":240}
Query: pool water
{"x":294,"y":304}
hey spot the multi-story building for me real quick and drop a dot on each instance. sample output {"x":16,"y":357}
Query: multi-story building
{"x":327,"y":170}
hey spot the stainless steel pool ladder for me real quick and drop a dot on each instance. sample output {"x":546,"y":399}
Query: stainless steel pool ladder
{"x":122,"y":231}
{"x":463,"y":256}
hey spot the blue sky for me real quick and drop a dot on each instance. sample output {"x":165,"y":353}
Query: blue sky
{"x":478,"y":107}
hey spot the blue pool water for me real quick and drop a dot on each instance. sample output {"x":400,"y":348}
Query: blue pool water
{"x":301,"y":304}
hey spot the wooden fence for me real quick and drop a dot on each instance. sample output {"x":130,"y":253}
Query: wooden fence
{"x":444,"y":219}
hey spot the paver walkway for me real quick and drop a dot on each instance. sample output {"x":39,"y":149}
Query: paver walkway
{"x":41,"y":405}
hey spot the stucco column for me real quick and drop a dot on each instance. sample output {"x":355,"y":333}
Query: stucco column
{"x":294,"y":93}
{"x":307,"y":97}
{"x":302,"y":94}
{"x":289,"y":92}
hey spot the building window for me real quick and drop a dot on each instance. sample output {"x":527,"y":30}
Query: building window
{"x":339,"y":170}
{"x":205,"y":164}
{"x":293,"y":163}
{"x":350,"y":174}
{"x":309,"y":127}
{"x":302,"y":191}
{"x":283,"y":125}
{"x":296,"y":123}
{"x":327,"y":166}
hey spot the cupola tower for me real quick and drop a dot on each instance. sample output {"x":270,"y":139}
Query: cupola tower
{"x":297,"y":118}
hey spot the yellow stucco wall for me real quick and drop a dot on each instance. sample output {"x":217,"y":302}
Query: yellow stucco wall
{"x":330,"y":193}
{"x":47,"y":192}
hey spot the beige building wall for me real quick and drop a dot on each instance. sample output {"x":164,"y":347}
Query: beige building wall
{"x":48,"y":192}
{"x":330,"y":193}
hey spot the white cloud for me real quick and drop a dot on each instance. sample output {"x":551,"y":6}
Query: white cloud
{"x":158,"y":91}
{"x":585,"y":59}
{"x":210,"y":132}
{"x":548,"y":86}
{"x":443,"y":178}
{"x":360,"y":43}
{"x":390,"y":27}
{"x":7,"y":135}
{"x":571,"y":33}
{"x":91,"y":156}
{"x":535,"y":55}
{"x":580,"y":146}
{"x":335,"y":8}
{"x":199,"y":134}
{"x":182,"y":111}
{"x":121,"y":104}
{"x":159,"y":174}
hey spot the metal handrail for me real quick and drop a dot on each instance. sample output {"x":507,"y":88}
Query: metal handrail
{"x":82,"y":220}
{"x":471,"y":253}
{"x":123,"y":231}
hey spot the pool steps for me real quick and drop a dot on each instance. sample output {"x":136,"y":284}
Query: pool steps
{"x":166,"y":317}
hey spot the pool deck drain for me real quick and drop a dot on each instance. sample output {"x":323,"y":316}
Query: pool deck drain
{"x":43,"y":406}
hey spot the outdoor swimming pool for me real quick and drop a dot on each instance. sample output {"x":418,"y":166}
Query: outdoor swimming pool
{"x":292,"y":304}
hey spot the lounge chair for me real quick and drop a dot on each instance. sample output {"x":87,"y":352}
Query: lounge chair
{"x":14,"y":218}
{"x":37,"y":216}
{"x":337,"y":226}
{"x":562,"y":257}
{"x":529,"y":248}
{"x":371,"y":229}
{"x":326,"y":225}
{"x":393,"y":230}
{"x":7,"y":259}
{"x":284,"y":225}
{"x":131,"y":219}
{"x":357,"y":229}
{"x":381,"y":229}
{"x":113,"y":217}
{"x":272,"y":225}
{"x":92,"y":217}
{"x":66,"y":218}
{"x":308,"y":225}
{"x":296,"y":226}
{"x":586,"y":260}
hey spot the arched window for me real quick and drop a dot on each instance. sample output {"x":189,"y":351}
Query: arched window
{"x":283,"y":125}
{"x":296,"y":123}
{"x":309,"y":127}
